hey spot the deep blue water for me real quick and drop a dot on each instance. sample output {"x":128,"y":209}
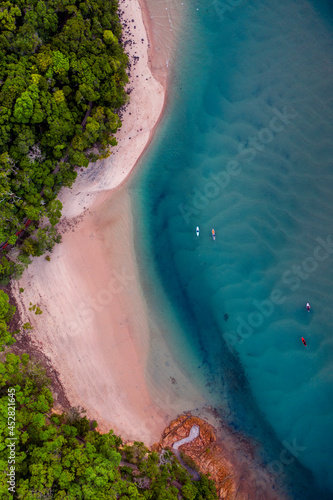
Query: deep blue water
{"x":245,"y":148}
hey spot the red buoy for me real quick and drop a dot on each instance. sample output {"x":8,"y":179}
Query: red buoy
{"x":303,"y":340}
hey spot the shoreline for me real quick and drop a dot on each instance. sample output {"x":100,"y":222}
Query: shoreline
{"x":99,"y":347}
{"x":146,"y":92}
{"x":95,"y":328}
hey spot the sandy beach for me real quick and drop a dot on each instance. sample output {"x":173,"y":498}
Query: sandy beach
{"x":94,"y":327}
{"x":97,"y":329}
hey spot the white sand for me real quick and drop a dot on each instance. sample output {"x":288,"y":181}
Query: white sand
{"x":138,"y":123}
{"x":94,"y":325}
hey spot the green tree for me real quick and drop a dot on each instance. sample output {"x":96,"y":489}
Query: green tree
{"x":23,"y":108}
{"x":189,"y":491}
{"x":8,"y":15}
{"x":6,"y":313}
{"x":109,"y":37}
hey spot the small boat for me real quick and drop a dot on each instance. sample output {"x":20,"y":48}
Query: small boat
{"x":304,"y":341}
{"x":198,"y":231}
{"x":308,"y":307}
{"x":213,"y":234}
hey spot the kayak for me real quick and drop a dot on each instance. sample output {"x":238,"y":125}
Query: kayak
{"x":308,"y":307}
{"x":303,"y":340}
{"x":213,"y":234}
{"x":198,"y":231}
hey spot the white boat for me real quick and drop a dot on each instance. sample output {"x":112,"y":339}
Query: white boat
{"x":213,"y":234}
{"x":198,"y":231}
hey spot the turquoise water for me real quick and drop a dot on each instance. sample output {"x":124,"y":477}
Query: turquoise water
{"x":246,"y":148}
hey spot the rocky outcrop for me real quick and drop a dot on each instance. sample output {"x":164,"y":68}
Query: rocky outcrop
{"x":226,"y":456}
{"x":204,"y":452}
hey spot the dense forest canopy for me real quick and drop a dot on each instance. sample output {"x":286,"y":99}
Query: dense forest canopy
{"x":62,"y":77}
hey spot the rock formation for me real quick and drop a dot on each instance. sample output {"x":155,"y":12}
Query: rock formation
{"x":203,"y":452}
{"x":226,"y":457}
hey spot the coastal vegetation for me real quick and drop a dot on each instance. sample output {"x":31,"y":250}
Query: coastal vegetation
{"x":46,"y":455}
{"x":62,"y":78}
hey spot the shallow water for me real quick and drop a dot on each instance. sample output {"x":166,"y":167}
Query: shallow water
{"x":164,"y":20}
{"x":245,"y":148}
